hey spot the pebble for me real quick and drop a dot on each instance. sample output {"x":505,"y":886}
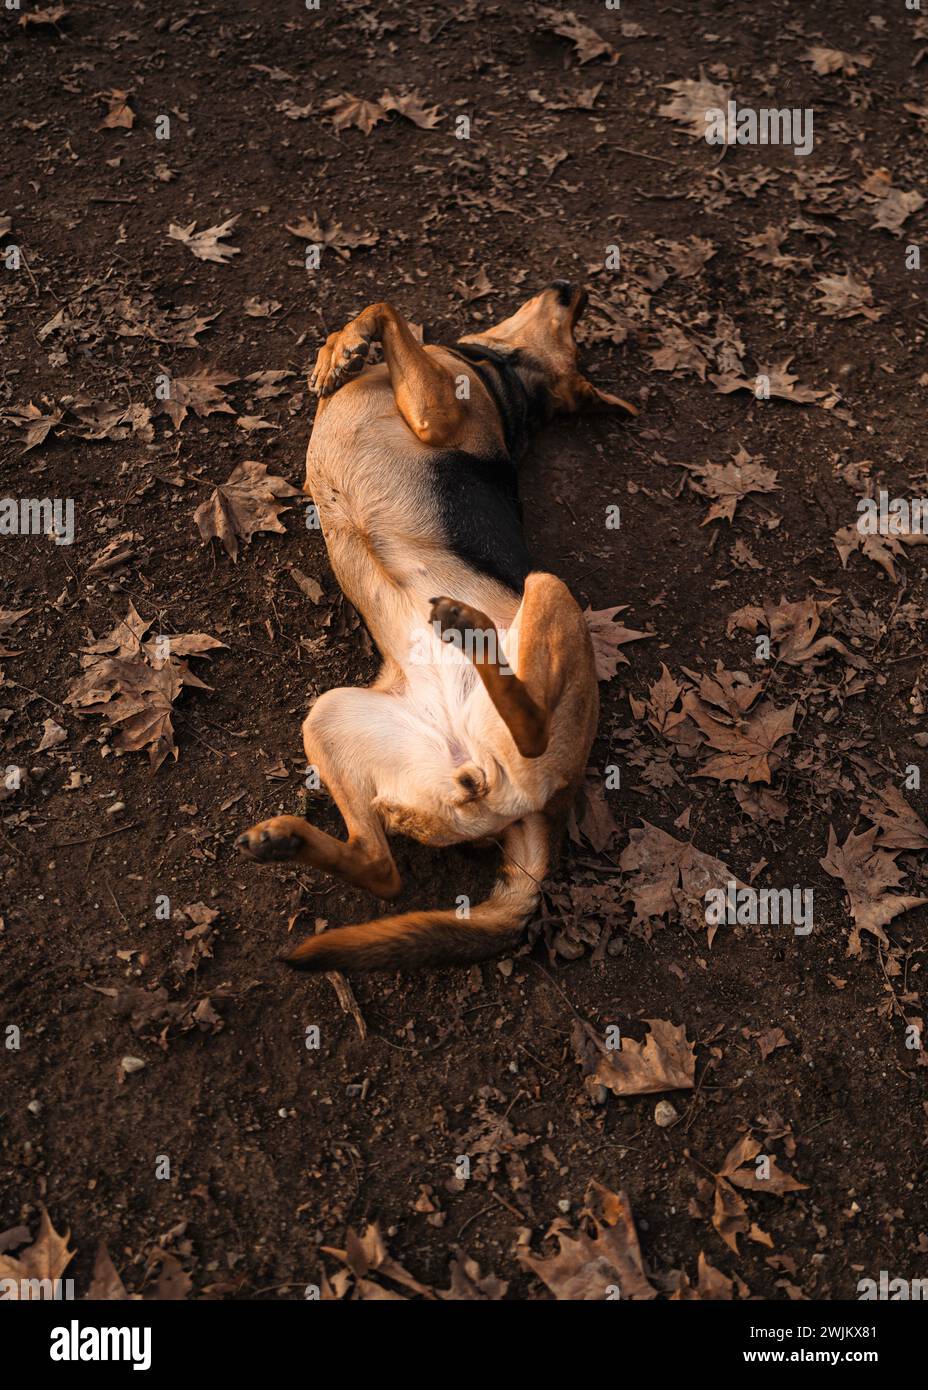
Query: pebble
{"x":116,"y":807}
{"x":664,"y":1114}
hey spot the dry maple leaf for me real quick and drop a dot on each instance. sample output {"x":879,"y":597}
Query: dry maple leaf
{"x":367,"y":1254}
{"x":331,"y":235}
{"x":881,"y":549}
{"x":607,"y":637}
{"x":348,"y":110}
{"x":586,"y":1265}
{"x":205,"y":245}
{"x":892,"y":207}
{"x":899,"y":826}
{"x":776,"y":381}
{"x":588,"y":45}
{"x":120,"y":115}
{"x":687,"y":258}
{"x":664,"y":1061}
{"x":729,"y":483}
{"x":592,"y":817}
{"x":741,"y":1169}
{"x":711,"y":1284}
{"x":844,"y":296}
{"x":692,"y":101}
{"x":200,"y":392}
{"x":793,"y":626}
{"x":37,"y":426}
{"x":765,"y":248}
{"x":828,"y":60}
{"x":677,"y":353}
{"x":667,"y":877}
{"x":867,"y":873}
{"x":468,"y":1284}
{"x":730,"y":1213}
{"x":106,"y":1286}
{"x":133,"y":682}
{"x":39,"y":1264}
{"x":248,"y":501}
{"x":412,"y":106}
{"x":52,"y":14}
{"x":745,"y":747}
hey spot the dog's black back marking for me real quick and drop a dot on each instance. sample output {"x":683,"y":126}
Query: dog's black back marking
{"x":479,"y":497}
{"x":481,"y":514}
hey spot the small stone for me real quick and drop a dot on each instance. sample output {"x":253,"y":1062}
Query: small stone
{"x":34,"y":1107}
{"x":116,"y":807}
{"x":564,"y":1205}
{"x":664,"y":1114}
{"x":131,"y":1064}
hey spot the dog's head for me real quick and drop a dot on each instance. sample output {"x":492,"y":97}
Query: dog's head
{"x":539,"y":341}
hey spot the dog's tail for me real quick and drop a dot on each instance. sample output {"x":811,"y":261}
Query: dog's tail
{"x":419,"y":939}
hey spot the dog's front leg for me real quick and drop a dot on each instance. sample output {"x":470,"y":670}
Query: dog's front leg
{"x":423,"y":387}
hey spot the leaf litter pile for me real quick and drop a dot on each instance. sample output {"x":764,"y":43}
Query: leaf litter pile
{"x":649,"y":1104}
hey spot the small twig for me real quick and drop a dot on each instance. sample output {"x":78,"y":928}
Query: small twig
{"x":105,"y":834}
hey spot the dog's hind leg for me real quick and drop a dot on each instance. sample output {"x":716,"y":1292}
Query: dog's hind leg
{"x":423,"y":387}
{"x":550,"y":646}
{"x":346,"y":734}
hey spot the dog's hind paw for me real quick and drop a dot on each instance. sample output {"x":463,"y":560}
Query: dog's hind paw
{"x":453,"y":616}
{"x":272,"y":841}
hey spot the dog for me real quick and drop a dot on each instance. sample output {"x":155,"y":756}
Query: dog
{"x":479,"y":725}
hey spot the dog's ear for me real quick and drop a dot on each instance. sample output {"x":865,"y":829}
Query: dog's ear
{"x":576,"y":393}
{"x":592,"y":398}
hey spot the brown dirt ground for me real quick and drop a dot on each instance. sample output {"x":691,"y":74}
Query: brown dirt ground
{"x":274,"y":1150}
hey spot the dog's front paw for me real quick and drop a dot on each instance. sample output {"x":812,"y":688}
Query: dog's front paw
{"x":340,"y":361}
{"x":272,"y":841}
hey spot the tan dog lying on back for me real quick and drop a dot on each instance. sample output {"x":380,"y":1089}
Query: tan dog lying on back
{"x":481,"y":720}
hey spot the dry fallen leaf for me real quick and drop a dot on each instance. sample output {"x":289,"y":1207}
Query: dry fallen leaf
{"x":892,"y":206}
{"x":592,"y":818}
{"x":133,"y":682}
{"x":776,"y":381}
{"x":367,"y":1254}
{"x":729,"y":483}
{"x":205,"y":245}
{"x":607,"y":637}
{"x":730,"y":1214}
{"x":711,"y":1284}
{"x":793,"y":627}
{"x":106,"y":1285}
{"x":691,"y":102}
{"x":828,"y":60}
{"x":668,"y":877}
{"x":412,"y":106}
{"x":899,"y":825}
{"x":331,"y":235}
{"x":37,"y":426}
{"x":589,"y":1265}
{"x":348,"y":110}
{"x":119,"y":115}
{"x":248,"y":501}
{"x":844,"y":296}
{"x":46,"y":1259}
{"x":881,"y":549}
{"x":588,"y":45}
{"x":867,"y":873}
{"x":52,"y":14}
{"x":664,"y":1061}
{"x":200,"y":392}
